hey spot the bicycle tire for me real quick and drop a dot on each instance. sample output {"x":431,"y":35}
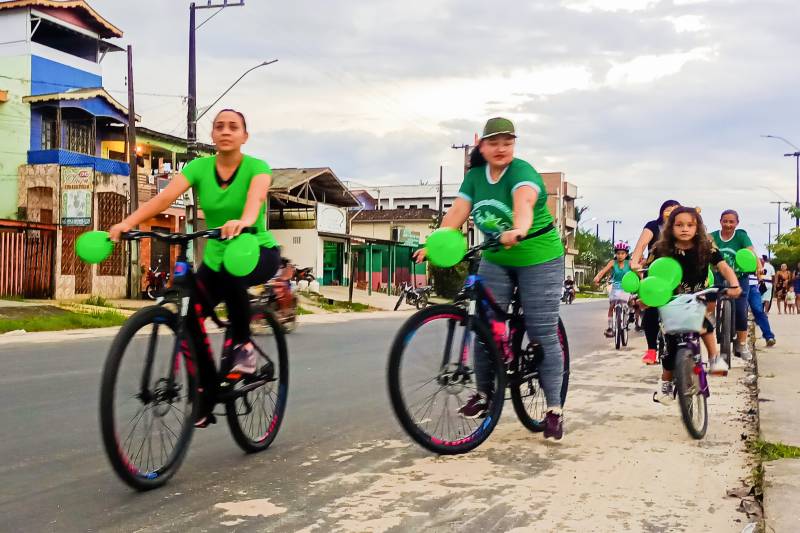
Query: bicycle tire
{"x":625,"y":326}
{"x":687,"y":384}
{"x":662,"y":346}
{"x":262,"y":440}
{"x":535,"y":422}
{"x":725,"y":345}
{"x":403,"y":337}
{"x":120,"y":462}
{"x":617,"y":326}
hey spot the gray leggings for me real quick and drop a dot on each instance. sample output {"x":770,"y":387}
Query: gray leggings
{"x":540,"y":292}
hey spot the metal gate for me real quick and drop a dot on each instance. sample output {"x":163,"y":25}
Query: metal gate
{"x":27,"y":259}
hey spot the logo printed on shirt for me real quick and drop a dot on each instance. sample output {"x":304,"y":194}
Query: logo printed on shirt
{"x":493,"y":216}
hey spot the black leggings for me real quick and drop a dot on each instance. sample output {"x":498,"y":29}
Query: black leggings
{"x":219,"y":286}
{"x":650,"y":323}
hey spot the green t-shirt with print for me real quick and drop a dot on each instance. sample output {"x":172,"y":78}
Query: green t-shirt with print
{"x":729,"y":248}
{"x":221,"y":205}
{"x":493,"y":212}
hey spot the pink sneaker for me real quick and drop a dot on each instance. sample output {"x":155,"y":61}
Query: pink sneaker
{"x":650,"y":357}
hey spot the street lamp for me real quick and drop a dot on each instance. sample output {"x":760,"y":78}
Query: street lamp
{"x":796,"y":155}
{"x":780,"y":203}
{"x":769,"y":238}
{"x":613,"y":229}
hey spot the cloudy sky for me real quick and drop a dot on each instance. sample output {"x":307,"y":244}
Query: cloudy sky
{"x":636,"y":101}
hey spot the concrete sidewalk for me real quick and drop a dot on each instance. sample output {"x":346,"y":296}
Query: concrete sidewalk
{"x":779,"y":399}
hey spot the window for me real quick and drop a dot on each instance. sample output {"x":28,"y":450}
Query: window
{"x":49,"y":140}
{"x":426,"y":206}
{"x":296,"y":240}
{"x":412,"y":206}
{"x":79,"y":137}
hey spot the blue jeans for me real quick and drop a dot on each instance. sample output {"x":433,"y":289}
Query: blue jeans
{"x":540,"y":293}
{"x":757,"y":306}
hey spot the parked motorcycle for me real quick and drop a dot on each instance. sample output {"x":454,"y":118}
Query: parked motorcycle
{"x":416,"y":296}
{"x":278,"y":295}
{"x":157,"y":279}
{"x":303,"y":274}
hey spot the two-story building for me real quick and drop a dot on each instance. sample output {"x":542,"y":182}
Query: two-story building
{"x":54,"y":120}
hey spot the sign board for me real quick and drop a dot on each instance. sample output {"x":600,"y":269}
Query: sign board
{"x":182,"y":201}
{"x":77,"y":184}
{"x":408,"y":237}
{"x":331,"y":219}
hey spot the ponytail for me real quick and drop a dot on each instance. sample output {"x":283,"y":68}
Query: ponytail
{"x":476,"y":158}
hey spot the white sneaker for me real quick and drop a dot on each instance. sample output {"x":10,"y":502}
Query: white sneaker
{"x":718,"y":366}
{"x":743,"y":351}
{"x":666,"y":395}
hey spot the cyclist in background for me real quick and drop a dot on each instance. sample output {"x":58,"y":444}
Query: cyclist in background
{"x":730,"y":240}
{"x":650,"y":235}
{"x":619,"y":266}
{"x":569,"y":288}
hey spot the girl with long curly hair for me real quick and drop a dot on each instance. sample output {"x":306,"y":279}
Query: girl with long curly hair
{"x":685,"y":239}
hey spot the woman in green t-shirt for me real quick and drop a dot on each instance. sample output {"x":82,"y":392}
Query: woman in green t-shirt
{"x":231,"y":189}
{"x":507,"y":196}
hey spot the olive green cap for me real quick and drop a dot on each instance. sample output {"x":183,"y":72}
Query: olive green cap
{"x":498,"y":126}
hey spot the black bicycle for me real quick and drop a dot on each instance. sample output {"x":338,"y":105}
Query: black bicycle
{"x":160,"y":376}
{"x":431,"y":366}
{"x":725,"y":327}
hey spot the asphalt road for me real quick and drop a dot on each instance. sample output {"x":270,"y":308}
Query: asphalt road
{"x":338,"y":426}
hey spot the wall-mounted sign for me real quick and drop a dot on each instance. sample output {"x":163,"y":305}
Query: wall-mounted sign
{"x":331,"y":219}
{"x":77,"y":184}
{"x":182,"y":200}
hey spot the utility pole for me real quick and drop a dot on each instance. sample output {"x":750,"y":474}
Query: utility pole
{"x":613,"y":229}
{"x":769,"y":238}
{"x":779,"y":216}
{"x":191,"y":101}
{"x":466,"y":148}
{"x":796,"y":156}
{"x":441,"y":171}
{"x":133,"y":246}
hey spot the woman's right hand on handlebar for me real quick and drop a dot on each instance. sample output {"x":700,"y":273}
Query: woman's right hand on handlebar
{"x":419,"y":255}
{"x":117,"y":230}
{"x":733,"y":292}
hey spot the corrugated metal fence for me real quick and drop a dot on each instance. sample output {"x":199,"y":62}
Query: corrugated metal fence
{"x":27,"y":259}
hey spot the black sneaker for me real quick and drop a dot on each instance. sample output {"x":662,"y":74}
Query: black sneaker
{"x":553,"y":425}
{"x":475,"y":407}
{"x":609,"y":333}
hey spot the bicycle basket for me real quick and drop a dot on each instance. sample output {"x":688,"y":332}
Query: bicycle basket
{"x":684,"y":314}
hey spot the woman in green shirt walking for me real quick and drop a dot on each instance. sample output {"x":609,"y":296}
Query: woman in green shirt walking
{"x":231,"y":189}
{"x":506,"y":196}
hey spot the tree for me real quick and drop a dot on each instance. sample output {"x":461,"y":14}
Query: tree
{"x":592,"y":251}
{"x":787,"y":249}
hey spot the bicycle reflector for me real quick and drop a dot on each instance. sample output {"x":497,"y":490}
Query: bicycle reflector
{"x":241,"y":255}
{"x":667,"y":269}
{"x":746,"y":261}
{"x":446,"y":247}
{"x":630,"y":282}
{"x":94,"y":247}
{"x":654,"y":291}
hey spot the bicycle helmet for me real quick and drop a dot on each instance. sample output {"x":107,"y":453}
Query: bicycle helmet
{"x":622,"y":246}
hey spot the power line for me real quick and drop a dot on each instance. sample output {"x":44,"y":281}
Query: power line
{"x":120,"y":91}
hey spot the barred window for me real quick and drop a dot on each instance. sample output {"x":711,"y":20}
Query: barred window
{"x":111,"y":209}
{"x":80,"y":137}
{"x":69,"y":260}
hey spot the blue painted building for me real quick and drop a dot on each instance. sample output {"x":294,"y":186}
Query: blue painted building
{"x":56,"y":115}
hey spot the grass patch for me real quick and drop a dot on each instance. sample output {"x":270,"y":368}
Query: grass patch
{"x":13,"y":298}
{"x":97,"y":301}
{"x":335,"y":306}
{"x":52,"y":319}
{"x":770,"y":451}
{"x":590,"y":295}
{"x":301,"y":311}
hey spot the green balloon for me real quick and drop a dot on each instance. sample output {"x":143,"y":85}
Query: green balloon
{"x":94,"y":247}
{"x":241,"y":255}
{"x":746,"y":261}
{"x":654,"y":292}
{"x":667,"y":269}
{"x":710,"y":279}
{"x":446,"y":247}
{"x":631,"y":282}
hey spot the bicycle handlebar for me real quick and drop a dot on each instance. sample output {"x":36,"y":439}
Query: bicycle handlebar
{"x":177,"y":238}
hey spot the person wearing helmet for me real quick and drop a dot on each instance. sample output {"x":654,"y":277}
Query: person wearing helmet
{"x":619,"y":266}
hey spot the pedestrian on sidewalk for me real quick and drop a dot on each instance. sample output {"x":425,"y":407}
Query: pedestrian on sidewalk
{"x":757,"y":307}
{"x":730,"y":240}
{"x":783,"y":280}
{"x":768,"y":283}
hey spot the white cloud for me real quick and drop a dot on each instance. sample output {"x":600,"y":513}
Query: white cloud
{"x":587,"y":6}
{"x":649,"y":68}
{"x":687,"y":23}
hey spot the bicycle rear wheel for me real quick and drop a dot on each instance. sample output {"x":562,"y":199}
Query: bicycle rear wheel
{"x":258,"y":403}
{"x":148,"y":399}
{"x":527,"y":395}
{"x":727,"y":331}
{"x":691,"y":397}
{"x":617,"y":327}
{"x":428,"y":389}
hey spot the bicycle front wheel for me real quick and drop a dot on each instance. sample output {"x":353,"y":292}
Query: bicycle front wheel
{"x":727,"y":333}
{"x":432,"y":394}
{"x":148,"y":399}
{"x":257,"y":404}
{"x":691,"y":396}
{"x":617,"y":327}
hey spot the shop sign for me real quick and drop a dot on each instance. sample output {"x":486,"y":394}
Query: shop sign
{"x":77,"y":184}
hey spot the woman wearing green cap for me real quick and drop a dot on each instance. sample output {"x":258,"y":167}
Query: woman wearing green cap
{"x":507,"y":195}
